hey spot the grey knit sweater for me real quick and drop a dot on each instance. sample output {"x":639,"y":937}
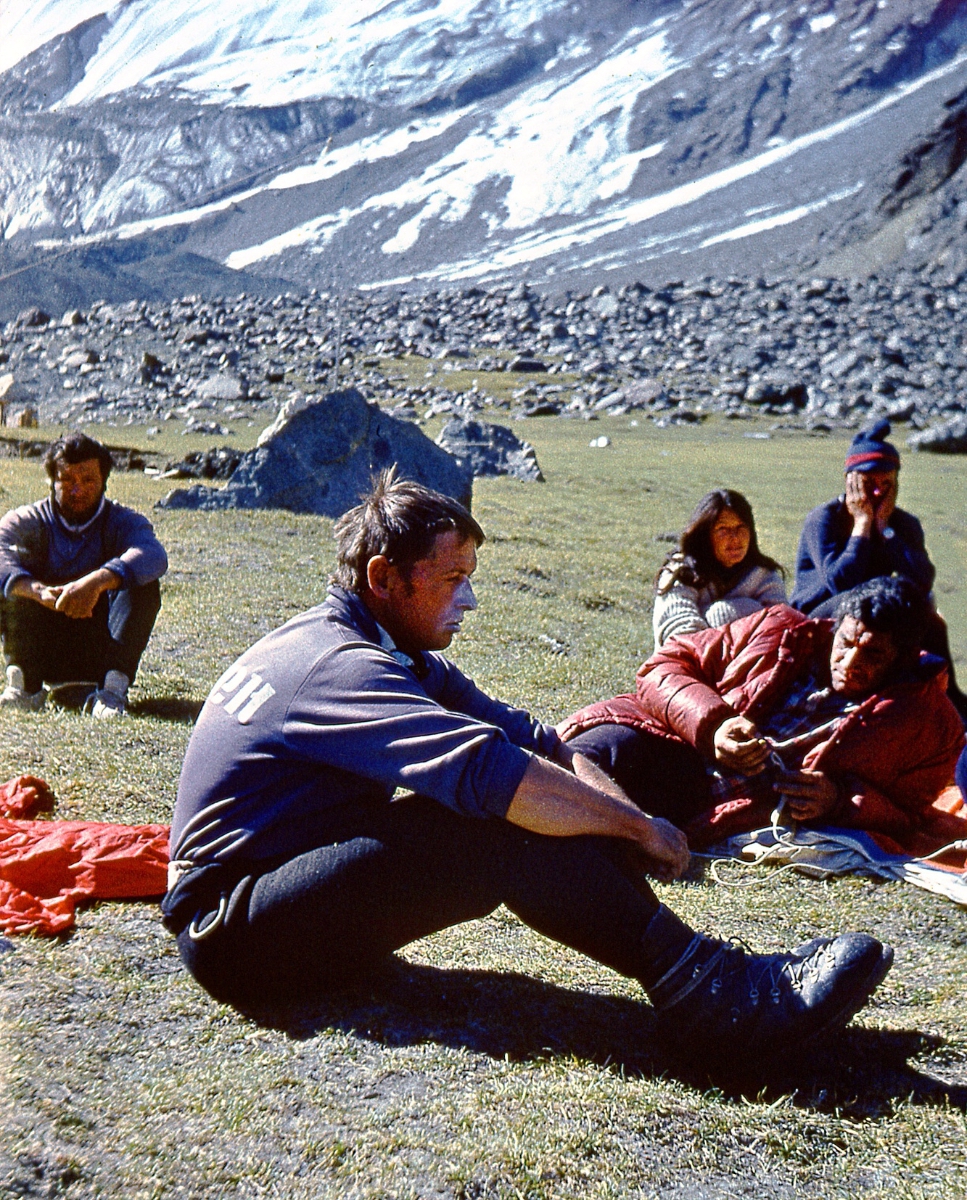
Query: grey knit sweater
{"x":680,"y":608}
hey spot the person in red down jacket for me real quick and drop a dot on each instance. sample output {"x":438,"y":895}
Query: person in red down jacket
{"x":842,"y":722}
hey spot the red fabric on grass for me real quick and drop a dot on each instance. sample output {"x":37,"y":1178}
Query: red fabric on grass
{"x":25,"y":796}
{"x":48,"y":867}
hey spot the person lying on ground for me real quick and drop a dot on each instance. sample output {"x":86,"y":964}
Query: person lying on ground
{"x":294,"y":870}
{"x":844,"y":720}
{"x":79,"y":591}
{"x":718,"y":573}
{"x":862,"y":535}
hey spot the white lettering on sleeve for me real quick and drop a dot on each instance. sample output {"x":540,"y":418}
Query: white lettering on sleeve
{"x":242,"y":695}
{"x":255,"y":703}
{"x":228,"y":683}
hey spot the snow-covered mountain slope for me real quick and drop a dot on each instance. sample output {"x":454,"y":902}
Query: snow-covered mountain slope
{"x":443,"y":140}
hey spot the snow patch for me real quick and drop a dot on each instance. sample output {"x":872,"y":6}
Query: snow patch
{"x":818,"y":24}
{"x":366,"y":150}
{"x":274,"y":52}
{"x":560,"y":147}
{"x":315,"y":234}
{"x":26,"y":25}
{"x":751,"y":228}
{"x":532,"y":247}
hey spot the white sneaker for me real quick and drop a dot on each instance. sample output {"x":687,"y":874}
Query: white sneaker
{"x":107,"y":702}
{"x":14,"y":696}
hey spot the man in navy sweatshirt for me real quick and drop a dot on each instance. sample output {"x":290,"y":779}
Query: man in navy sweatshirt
{"x":297,"y":865}
{"x":79,"y":590}
{"x":862,"y":534}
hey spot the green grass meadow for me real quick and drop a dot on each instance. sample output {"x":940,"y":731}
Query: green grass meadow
{"x":487,"y":1062}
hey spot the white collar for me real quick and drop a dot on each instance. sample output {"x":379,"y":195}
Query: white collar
{"x":78,"y":528}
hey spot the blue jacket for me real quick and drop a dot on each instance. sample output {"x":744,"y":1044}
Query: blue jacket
{"x":830,"y":560}
{"x":320,"y":715}
{"x":35,"y":543}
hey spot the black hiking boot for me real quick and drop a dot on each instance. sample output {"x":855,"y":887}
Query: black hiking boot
{"x":724,"y":1006}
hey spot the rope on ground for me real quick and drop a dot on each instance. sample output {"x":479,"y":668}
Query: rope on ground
{"x":715,"y":861}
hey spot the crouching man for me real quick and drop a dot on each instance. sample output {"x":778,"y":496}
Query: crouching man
{"x":79,"y":583}
{"x":841,"y":721}
{"x":294,"y":869}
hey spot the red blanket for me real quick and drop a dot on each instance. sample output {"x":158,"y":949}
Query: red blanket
{"x":48,"y":867}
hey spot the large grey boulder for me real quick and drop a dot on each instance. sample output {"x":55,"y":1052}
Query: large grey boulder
{"x":319,"y":457}
{"x":488,"y":449}
{"x":222,"y":387}
{"x":949,"y":437}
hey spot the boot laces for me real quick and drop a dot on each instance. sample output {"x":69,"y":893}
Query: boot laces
{"x":764,"y":973}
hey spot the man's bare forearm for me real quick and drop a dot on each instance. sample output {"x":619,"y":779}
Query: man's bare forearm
{"x":26,"y":588}
{"x":76,"y":598}
{"x":551,"y":801}
{"x":590,"y":773}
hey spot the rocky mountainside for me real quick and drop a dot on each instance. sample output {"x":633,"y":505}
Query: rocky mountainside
{"x":422,"y":144}
{"x":812,"y":354}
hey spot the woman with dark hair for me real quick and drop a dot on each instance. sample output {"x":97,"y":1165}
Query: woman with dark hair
{"x":718,"y":573}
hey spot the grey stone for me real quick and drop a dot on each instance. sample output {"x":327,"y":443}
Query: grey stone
{"x":612,"y":401}
{"x":488,"y":449}
{"x":204,"y":464}
{"x":80,"y":358}
{"x":222,"y":387}
{"x":320,"y":456}
{"x":537,"y":408}
{"x":643,"y":393}
{"x":606,"y":306}
{"x":32,"y":318}
{"x":950,"y":437}
{"x":209,"y":428}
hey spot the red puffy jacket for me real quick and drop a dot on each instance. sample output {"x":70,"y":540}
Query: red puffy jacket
{"x":893,"y":755}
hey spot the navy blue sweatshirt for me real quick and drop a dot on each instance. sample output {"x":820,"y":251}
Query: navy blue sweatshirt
{"x":37,"y":543}
{"x":319,"y":714}
{"x":831,"y":561}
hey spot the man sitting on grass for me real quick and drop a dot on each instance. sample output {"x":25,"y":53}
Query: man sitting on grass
{"x":79,"y":589}
{"x":295,"y":870}
{"x":864,"y":534}
{"x":844,"y":722}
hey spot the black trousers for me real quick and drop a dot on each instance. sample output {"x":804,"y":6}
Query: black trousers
{"x":664,"y":778}
{"x":392,"y":873}
{"x":50,"y":647}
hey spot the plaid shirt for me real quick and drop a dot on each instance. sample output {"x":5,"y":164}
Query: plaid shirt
{"x":808,"y":714}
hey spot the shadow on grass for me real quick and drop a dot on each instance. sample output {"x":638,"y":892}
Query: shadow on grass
{"x":861,"y":1073}
{"x":168,"y":708}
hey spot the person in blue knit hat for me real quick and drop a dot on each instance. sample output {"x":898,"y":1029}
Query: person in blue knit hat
{"x":861,"y":535}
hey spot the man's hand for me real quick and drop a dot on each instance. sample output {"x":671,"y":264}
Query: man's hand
{"x":884,"y":500}
{"x":667,"y":854}
{"x":811,"y":794}
{"x":79,"y":598}
{"x":860,"y":503}
{"x":33,"y":589}
{"x":739,"y":746}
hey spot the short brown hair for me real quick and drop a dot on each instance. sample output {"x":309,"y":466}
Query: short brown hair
{"x":75,"y":448}
{"x":400,"y":519}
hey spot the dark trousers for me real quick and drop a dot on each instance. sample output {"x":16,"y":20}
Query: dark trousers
{"x":50,"y":647}
{"x":664,"y":778}
{"x":392,"y":873}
